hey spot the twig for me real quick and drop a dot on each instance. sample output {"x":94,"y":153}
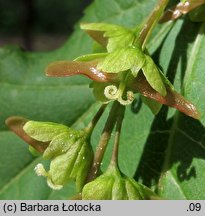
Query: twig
{"x":100,"y":150}
{"x":151,"y":22}
{"x":120,"y":117}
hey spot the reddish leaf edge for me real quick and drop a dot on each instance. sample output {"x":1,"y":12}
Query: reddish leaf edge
{"x":88,"y":68}
{"x":172,"y":99}
{"x":15,"y":124}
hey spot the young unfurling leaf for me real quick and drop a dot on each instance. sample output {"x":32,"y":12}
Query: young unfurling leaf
{"x":122,"y":59}
{"x":87,"y":68}
{"x":153,"y":77}
{"x":110,"y":36}
{"x":172,"y":98}
{"x":44,"y":131}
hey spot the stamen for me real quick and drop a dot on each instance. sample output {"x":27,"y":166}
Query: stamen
{"x":129,"y":100}
{"x":53,"y":186}
{"x":113,"y":93}
{"x":40,"y":171}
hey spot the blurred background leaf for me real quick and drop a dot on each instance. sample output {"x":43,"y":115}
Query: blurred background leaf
{"x":39,"y":25}
{"x":165,"y":152}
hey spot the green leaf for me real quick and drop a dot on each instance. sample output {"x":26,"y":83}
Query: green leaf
{"x":119,"y":39}
{"x":104,"y":27}
{"x":82,"y":165}
{"x":174,"y":152}
{"x":153,"y":76}
{"x":68,"y":166}
{"x":166,"y":81}
{"x":58,"y":142}
{"x":90,"y":57}
{"x":122,"y":59}
{"x":44,"y":131}
{"x":117,"y":36}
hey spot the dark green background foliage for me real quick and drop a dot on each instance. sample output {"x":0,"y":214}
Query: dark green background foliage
{"x":48,"y":16}
{"x":166,"y":152}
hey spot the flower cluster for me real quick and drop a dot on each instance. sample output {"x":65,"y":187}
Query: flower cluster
{"x":112,"y":185}
{"x":68,"y":150}
{"x":121,"y":69}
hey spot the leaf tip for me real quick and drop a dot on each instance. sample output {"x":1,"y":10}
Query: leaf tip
{"x":15,"y":121}
{"x":16,"y":124}
{"x":192,"y":111}
{"x":51,"y":69}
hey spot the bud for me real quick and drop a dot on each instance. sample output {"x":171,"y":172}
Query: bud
{"x":113,"y":186}
{"x":69,"y":152}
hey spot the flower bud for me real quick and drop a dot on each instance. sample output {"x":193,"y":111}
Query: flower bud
{"x":113,"y":186}
{"x":68,"y":150}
